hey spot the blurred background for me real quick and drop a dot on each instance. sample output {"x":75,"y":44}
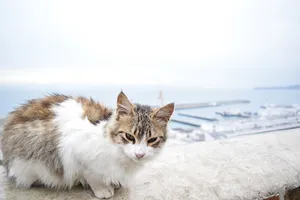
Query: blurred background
{"x":237,"y":61}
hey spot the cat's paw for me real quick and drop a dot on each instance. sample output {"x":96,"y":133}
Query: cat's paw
{"x":116,"y":185}
{"x":104,"y":193}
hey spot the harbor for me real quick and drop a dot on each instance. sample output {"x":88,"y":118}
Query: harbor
{"x":228,"y":121}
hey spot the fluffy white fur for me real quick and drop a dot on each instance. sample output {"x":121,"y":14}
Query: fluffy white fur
{"x":87,"y":155}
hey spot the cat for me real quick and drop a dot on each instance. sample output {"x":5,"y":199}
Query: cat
{"x":61,"y":141}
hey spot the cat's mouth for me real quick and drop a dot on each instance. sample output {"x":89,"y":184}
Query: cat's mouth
{"x":136,"y":160}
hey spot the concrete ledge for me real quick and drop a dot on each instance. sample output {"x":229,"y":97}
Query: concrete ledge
{"x":248,"y":167}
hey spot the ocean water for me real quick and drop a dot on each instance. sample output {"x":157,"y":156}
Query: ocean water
{"x":13,"y":96}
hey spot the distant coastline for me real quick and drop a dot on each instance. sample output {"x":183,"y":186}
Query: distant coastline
{"x":290,"y":87}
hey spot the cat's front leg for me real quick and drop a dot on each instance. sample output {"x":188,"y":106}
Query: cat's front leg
{"x":101,"y":190}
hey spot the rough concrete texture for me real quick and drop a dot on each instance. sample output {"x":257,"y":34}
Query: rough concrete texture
{"x":248,"y":167}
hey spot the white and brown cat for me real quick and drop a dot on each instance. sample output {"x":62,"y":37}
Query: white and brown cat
{"x":60,"y":141}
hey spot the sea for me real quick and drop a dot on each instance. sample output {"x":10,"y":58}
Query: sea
{"x":14,"y":95}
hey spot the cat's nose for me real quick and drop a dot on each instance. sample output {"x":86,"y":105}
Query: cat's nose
{"x":139,"y":155}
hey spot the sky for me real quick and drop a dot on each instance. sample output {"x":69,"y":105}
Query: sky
{"x":210,"y":44}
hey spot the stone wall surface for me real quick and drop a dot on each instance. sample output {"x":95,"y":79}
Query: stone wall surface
{"x":249,"y":167}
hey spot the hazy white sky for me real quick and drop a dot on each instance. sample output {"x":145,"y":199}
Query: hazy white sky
{"x":201,"y":43}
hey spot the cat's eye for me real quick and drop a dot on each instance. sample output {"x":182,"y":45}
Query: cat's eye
{"x":151,"y":140}
{"x":130,"y":137}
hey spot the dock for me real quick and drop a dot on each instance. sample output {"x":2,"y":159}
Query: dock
{"x":185,"y":123}
{"x":198,"y":117}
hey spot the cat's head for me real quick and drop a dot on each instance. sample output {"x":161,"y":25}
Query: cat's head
{"x":139,"y":130}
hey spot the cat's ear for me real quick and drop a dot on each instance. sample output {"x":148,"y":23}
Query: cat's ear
{"x":123,"y":105}
{"x":164,"y":113}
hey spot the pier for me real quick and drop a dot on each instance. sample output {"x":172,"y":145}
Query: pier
{"x":207,"y":104}
{"x":185,"y":123}
{"x":198,"y":117}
